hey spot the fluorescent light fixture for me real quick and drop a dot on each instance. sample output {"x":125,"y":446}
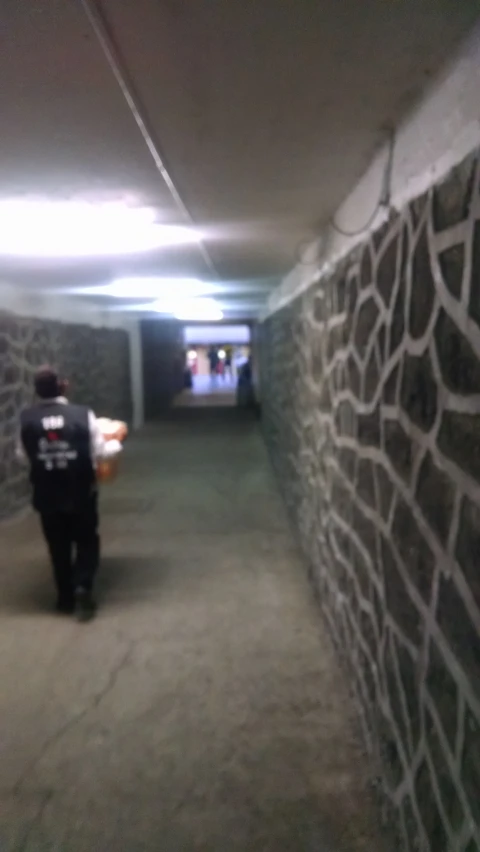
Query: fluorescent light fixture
{"x":63,"y":229}
{"x":189,"y":310}
{"x":199,"y":310}
{"x":151,"y":287}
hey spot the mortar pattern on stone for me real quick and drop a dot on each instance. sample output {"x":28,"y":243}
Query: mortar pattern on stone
{"x":371,"y":398}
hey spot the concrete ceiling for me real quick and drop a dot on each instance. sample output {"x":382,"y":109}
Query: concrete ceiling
{"x":266,"y":112}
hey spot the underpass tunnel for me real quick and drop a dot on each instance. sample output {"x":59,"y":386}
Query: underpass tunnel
{"x":250,"y":237}
{"x":197,"y":365}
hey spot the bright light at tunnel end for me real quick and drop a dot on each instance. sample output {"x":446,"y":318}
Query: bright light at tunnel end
{"x":31,"y":228}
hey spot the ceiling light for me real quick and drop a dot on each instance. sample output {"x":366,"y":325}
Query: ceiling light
{"x":151,"y":287}
{"x":199,"y":310}
{"x":189,"y":310}
{"x":62,"y":229}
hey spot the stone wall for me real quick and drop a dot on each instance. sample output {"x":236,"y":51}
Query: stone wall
{"x":371,"y":402}
{"x":97,"y":362}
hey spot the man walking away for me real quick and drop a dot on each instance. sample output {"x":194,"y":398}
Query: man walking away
{"x":62,"y":443}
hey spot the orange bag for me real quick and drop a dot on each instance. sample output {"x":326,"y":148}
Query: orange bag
{"x":107,"y":469}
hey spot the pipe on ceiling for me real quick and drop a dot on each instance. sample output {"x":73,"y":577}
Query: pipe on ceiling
{"x":103,"y":32}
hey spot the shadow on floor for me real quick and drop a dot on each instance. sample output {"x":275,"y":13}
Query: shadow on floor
{"x":35,"y":592}
{"x":129,"y":579}
{"x":218,"y":414}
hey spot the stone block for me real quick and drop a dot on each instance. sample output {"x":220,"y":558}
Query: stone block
{"x":418,"y":209}
{"x":451,"y":804}
{"x":423,"y":291}
{"x":459,"y":365}
{"x":474,"y":303}
{"x":411,"y":824}
{"x":409,"y":677}
{"x":387,"y":271}
{"x":371,"y":379}
{"x":382,"y":344}
{"x":347,"y":460}
{"x":471,"y":763}
{"x":354,"y":377}
{"x":341,"y":499}
{"x":429,"y":813}
{"x":346,"y":419}
{"x":369,"y":429}
{"x":395,"y":693}
{"x":366,"y":267}
{"x":467,"y":548}
{"x":398,"y":447}
{"x":365,"y":530}
{"x":385,"y":491}
{"x":459,"y":441}
{"x":325,"y":397}
{"x":457,"y":627}
{"x":341,"y":294}
{"x":367,"y":317}
{"x":366,"y":483}
{"x":381,"y":234}
{"x":418,"y":394}
{"x":361,"y":570}
{"x":452,"y":197}
{"x":444,"y":693}
{"x":397,"y":327}
{"x":389,"y":752}
{"x":319,"y":308}
{"x":435,"y":496}
{"x":404,"y":251}
{"x":390,"y":387}
{"x":414,"y":551}
{"x":451,"y":265}
{"x":399,"y":603}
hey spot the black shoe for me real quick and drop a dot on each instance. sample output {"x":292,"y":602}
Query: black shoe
{"x":65,"y":605}
{"x":85,"y":606}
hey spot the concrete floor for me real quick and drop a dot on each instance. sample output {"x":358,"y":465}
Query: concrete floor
{"x":209,"y":392}
{"x":203,"y":711}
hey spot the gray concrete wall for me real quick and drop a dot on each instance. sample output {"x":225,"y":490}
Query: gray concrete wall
{"x":97,"y":362}
{"x":371,"y":405}
{"x":163,"y":364}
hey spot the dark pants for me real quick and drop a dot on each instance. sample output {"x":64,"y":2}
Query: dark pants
{"x":74,"y":546}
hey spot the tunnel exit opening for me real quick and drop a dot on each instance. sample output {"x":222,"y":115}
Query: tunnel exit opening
{"x":195,"y":365}
{"x":215,"y":356}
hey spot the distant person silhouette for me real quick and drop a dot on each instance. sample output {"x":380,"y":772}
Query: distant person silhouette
{"x":213,"y":359}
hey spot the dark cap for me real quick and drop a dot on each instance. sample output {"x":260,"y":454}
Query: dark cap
{"x":48,"y":383}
